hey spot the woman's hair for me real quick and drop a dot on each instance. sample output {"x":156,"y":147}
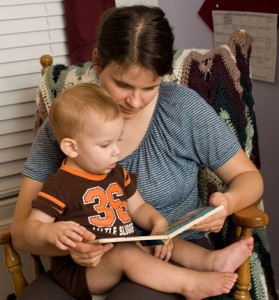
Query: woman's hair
{"x":138,"y":35}
{"x":69,"y":112}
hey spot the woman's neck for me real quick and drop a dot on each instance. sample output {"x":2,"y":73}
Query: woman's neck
{"x":136,"y":128}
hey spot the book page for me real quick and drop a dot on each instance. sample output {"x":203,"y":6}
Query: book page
{"x":263,"y":29}
{"x":174,"y":229}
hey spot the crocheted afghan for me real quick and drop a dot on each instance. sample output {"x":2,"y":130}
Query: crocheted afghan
{"x":222,"y":77}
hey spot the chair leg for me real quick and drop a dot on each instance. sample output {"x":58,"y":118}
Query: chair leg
{"x":38,"y":266}
{"x":14,"y":266}
{"x":242,"y":286}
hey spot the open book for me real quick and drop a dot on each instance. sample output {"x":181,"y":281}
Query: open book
{"x":183,"y":224}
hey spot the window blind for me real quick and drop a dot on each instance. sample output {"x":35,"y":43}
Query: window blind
{"x":28,"y":29}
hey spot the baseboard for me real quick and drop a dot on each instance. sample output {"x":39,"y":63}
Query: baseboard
{"x":7,"y":208}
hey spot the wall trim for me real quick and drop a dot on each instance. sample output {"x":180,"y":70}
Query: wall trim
{"x":7,"y":208}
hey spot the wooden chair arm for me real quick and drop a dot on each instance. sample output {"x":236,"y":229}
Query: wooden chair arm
{"x":5,"y":236}
{"x":12,"y":260}
{"x":251,"y":217}
{"x":245,"y":220}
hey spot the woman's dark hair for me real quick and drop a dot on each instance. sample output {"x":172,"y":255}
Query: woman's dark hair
{"x":136,"y":35}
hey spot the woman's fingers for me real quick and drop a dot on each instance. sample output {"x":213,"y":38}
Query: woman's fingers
{"x":89,"y":255}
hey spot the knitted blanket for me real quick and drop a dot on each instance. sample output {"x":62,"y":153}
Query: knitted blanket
{"x":222,"y":77}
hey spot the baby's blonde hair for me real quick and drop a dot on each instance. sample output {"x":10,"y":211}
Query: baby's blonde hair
{"x":69,"y":111}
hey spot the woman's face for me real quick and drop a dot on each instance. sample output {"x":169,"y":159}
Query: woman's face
{"x":132,"y":89}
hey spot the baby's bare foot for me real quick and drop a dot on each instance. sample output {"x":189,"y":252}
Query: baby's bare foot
{"x":231,"y":257}
{"x":209,"y":284}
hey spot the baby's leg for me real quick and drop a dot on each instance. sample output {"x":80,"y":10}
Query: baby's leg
{"x":103,"y":277}
{"x":154,"y":273}
{"x":227,"y":259}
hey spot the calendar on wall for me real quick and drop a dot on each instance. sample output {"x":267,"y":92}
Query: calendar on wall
{"x":262,"y":27}
{"x":134,"y":2}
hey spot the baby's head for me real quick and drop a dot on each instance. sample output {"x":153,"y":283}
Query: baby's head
{"x":76,"y":106}
{"x":88,"y":125}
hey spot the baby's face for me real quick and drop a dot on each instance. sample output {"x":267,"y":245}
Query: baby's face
{"x":98,"y":145}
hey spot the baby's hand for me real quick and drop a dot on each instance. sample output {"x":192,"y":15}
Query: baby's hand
{"x":64,"y":235}
{"x":164,"y":252}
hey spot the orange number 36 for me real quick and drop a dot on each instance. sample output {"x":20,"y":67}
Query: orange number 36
{"x":108,"y":205}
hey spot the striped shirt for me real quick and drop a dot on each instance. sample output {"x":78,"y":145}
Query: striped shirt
{"x":184,"y":133}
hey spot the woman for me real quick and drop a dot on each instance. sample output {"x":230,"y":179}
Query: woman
{"x":169,"y":131}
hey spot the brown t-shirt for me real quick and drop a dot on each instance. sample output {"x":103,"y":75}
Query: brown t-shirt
{"x":97,"y":202}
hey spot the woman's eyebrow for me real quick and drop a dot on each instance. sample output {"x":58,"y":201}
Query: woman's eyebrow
{"x":128,"y":85}
{"x":121,"y":82}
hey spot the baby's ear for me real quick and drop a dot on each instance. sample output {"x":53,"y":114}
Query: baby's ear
{"x":69,"y":147}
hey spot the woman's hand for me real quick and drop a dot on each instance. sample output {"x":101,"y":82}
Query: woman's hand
{"x":244,"y":187}
{"x":215,"y":222}
{"x":88,"y":255}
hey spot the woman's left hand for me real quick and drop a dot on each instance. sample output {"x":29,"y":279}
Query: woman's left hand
{"x":215,"y":222}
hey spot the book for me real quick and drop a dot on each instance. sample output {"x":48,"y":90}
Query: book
{"x":183,"y":224}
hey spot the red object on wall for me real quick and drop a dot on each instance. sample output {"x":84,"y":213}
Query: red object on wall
{"x":82,"y":18}
{"x":266,"y":6}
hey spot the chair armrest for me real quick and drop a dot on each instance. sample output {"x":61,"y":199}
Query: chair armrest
{"x":12,"y":260}
{"x":5,"y":236}
{"x":251,"y":217}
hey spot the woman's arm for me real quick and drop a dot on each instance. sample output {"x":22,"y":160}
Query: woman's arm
{"x":244,"y":182}
{"x":244,"y":187}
